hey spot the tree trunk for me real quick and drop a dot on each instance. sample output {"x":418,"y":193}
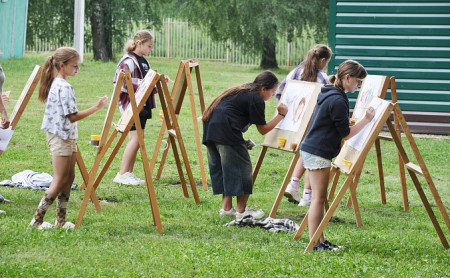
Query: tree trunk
{"x":100,"y":35}
{"x":269,"y":59}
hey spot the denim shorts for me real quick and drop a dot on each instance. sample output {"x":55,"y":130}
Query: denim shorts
{"x":230,"y":169}
{"x":60,"y":147}
{"x":314,"y":162}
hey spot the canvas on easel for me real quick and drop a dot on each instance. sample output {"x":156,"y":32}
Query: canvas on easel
{"x":128,"y":118}
{"x":21,"y":103}
{"x":183,"y":83}
{"x":301,"y":98}
{"x":351,"y":159}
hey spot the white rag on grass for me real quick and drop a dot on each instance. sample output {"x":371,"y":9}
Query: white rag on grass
{"x":270,"y":224}
{"x":31,"y":179}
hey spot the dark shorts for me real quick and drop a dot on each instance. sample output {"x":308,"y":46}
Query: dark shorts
{"x":143,"y":119}
{"x":230,"y":169}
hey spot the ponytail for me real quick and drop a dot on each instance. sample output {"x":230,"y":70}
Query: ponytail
{"x":312,"y":62}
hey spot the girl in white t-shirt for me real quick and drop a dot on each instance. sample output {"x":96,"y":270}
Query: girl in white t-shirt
{"x":311,"y":70}
{"x":60,"y":123}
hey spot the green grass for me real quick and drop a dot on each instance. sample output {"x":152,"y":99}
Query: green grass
{"x":122,"y":242}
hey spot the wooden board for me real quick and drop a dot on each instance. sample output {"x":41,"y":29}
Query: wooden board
{"x":142,"y":93}
{"x":301,"y":99}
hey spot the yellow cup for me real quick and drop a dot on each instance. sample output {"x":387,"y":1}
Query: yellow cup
{"x":95,"y":140}
{"x":281,"y":142}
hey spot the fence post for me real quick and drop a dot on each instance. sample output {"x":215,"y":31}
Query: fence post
{"x":168,"y":38}
{"x":288,"y":52}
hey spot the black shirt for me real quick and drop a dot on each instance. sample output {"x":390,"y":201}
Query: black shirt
{"x":232,"y":117}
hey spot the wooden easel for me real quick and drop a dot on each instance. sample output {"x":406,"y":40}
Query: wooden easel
{"x":130,"y":116}
{"x":182,"y":82}
{"x":357,"y":160}
{"x":19,"y":108}
{"x":376,"y":90}
{"x":292,"y":137}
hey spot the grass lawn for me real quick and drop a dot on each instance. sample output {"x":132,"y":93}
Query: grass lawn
{"x":122,"y":242}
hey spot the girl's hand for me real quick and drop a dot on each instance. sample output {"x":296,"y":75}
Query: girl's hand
{"x":102,"y":102}
{"x":282,"y":108}
{"x":370,"y":113}
{"x":5,"y":98}
{"x":5,"y":121}
{"x":167,"y":79}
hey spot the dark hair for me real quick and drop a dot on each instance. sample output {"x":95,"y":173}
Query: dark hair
{"x":51,"y":67}
{"x":350,"y":67}
{"x":266,"y":79}
{"x":140,"y":37}
{"x":311,"y":62}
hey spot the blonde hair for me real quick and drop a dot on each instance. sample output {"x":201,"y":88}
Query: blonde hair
{"x":141,"y":36}
{"x":51,"y":68}
{"x":266,"y":79}
{"x":350,"y":67}
{"x":312,"y":62}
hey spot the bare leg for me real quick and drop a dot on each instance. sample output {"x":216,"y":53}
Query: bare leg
{"x":319,"y":183}
{"x":129,"y":154}
{"x":242,"y":203}
{"x":227,"y":202}
{"x":63,"y":174}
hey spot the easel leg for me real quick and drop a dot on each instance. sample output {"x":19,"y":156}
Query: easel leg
{"x":284,"y":185}
{"x":380,"y":171}
{"x":163,"y":159}
{"x":85,"y":175}
{"x":355,"y":182}
{"x":302,"y":227}
{"x":259,"y":162}
{"x":179,"y":168}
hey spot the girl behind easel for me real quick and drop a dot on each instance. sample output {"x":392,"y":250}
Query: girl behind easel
{"x":60,"y":123}
{"x":329,"y":125}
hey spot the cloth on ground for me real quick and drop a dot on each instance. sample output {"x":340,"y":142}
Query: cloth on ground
{"x":270,"y":224}
{"x":31,"y":179}
{"x":2,"y":199}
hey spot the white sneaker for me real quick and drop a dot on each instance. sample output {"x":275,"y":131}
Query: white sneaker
{"x":304,"y":203}
{"x":231,"y":212}
{"x":2,"y":211}
{"x":44,"y":225}
{"x":292,"y":194}
{"x":67,"y":225}
{"x":250,"y":211}
{"x":136,"y":178}
{"x":126,"y":178}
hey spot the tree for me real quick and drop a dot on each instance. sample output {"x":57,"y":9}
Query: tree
{"x":110,"y":18}
{"x":108,"y":21}
{"x":254,"y":24}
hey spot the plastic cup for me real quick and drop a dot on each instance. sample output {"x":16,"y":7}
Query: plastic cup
{"x":281,"y":142}
{"x":95,"y":140}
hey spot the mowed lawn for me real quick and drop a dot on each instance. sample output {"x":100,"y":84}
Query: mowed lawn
{"x":122,"y":241}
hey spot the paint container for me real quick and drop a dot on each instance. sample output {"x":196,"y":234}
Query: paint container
{"x":95,"y":139}
{"x":281,"y":142}
{"x":294,"y":146}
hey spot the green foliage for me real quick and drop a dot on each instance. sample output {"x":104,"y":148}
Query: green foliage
{"x":122,"y":242}
{"x":254,"y":24}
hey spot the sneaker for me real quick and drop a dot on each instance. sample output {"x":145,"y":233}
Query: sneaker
{"x":231,"y":212}
{"x":67,"y":225}
{"x":133,"y":175}
{"x":44,"y":225}
{"x":292,"y":194}
{"x":332,"y":245}
{"x":126,"y":179}
{"x":2,"y":211}
{"x":304,"y":203}
{"x":250,"y":211}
